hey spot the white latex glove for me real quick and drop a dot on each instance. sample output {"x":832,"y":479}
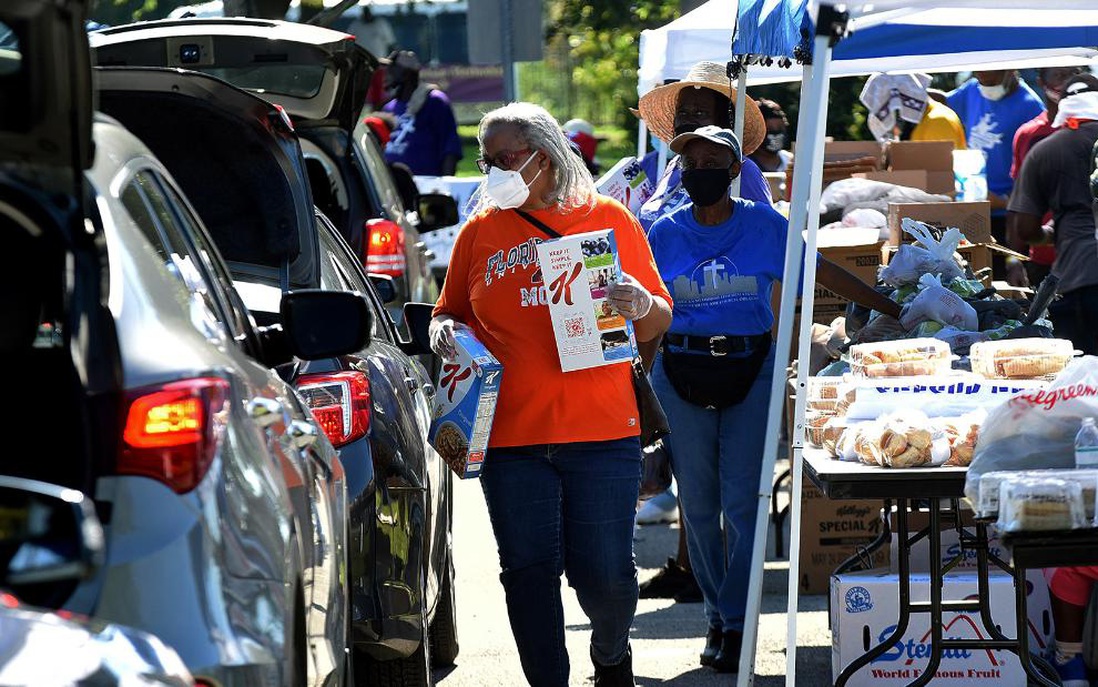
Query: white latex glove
{"x":631,"y":300}
{"x":442,"y":336}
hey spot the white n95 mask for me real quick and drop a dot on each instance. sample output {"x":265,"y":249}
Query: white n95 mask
{"x":506,"y":187}
{"x":993,"y":92}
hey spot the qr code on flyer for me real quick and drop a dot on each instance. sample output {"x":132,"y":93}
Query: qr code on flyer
{"x":574,"y":327}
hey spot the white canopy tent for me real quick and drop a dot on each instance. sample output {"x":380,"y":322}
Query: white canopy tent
{"x":989,"y":26}
{"x":705,"y":34}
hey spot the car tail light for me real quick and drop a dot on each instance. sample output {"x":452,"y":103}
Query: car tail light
{"x":385,"y":248}
{"x":340,"y":402}
{"x":173,"y":430}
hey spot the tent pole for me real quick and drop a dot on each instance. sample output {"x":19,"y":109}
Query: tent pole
{"x":642,"y":141}
{"x":818,"y":83}
{"x":741,"y":103}
{"x":813,"y":109}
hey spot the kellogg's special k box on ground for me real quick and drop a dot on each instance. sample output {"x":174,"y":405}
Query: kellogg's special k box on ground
{"x":465,"y":403}
{"x":579,"y":271}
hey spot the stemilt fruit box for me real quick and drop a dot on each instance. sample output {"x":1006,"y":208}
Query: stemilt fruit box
{"x":578,"y":271}
{"x":465,"y":404}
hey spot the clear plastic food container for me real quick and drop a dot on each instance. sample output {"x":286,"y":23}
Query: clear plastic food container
{"x":903,"y":358}
{"x":1034,"y":504}
{"x":824,"y":387}
{"x":1020,"y":358}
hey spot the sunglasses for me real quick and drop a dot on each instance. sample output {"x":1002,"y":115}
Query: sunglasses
{"x":504,"y":161}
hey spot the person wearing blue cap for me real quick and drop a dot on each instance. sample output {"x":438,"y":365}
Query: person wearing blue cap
{"x":719,"y":257}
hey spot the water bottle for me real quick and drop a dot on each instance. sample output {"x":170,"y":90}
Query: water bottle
{"x":1086,"y":445}
{"x":970,"y":173}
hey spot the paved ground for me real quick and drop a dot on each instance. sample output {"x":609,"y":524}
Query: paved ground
{"x":666,"y":636}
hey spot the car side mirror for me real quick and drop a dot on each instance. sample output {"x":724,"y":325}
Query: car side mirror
{"x":323,"y":324}
{"x":47,"y":533}
{"x":385,"y":287}
{"x":437,"y":210}
{"x":405,"y":184}
{"x":418,"y":318}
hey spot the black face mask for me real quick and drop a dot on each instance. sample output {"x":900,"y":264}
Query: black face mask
{"x":706,"y":186}
{"x":775,"y":142}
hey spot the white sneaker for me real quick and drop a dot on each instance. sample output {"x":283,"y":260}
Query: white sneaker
{"x":659,"y":509}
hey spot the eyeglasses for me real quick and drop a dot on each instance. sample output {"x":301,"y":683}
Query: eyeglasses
{"x":504,"y":161}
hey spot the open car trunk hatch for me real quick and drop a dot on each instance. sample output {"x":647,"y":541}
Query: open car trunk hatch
{"x":313,"y":72}
{"x":236,"y":158}
{"x":45,"y":84}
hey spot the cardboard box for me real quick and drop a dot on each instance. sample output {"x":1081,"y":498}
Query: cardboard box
{"x":465,"y":405}
{"x":627,"y":183}
{"x":833,"y":530}
{"x":578,"y":271}
{"x":865,"y":607}
{"x":912,"y":178}
{"x":776,"y":180}
{"x":973,"y":219}
{"x":936,"y":157}
{"x":919,"y":559}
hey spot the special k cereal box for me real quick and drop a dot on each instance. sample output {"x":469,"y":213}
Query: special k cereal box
{"x":579,"y":271}
{"x":465,"y":404}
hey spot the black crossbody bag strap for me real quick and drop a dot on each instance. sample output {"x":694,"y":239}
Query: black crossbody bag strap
{"x":545,"y":228}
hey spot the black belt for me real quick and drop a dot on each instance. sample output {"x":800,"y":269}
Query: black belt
{"x":717,"y":345}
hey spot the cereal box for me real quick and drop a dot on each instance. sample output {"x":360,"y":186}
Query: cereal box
{"x":626,"y":183}
{"x":579,"y":271}
{"x":465,"y":404}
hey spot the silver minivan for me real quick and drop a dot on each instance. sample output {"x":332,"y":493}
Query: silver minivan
{"x":138,"y":377}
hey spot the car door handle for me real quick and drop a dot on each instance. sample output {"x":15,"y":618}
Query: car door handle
{"x":264,"y":411}
{"x":302,"y":434}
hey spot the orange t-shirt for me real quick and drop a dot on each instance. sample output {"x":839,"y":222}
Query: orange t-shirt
{"x":493,"y":284}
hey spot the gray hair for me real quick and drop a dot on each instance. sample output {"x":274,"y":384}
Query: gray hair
{"x":574,"y":187}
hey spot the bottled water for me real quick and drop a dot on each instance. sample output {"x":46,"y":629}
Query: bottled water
{"x":1086,"y":445}
{"x":970,"y":173}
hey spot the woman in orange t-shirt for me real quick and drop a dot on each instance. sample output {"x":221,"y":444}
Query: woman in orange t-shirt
{"x":562,"y":473}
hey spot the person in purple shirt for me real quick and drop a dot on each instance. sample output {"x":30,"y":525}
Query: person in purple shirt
{"x":703,"y":98}
{"x":425,"y":137}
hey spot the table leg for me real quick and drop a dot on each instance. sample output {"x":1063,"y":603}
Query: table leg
{"x":1038,"y":669}
{"x":905,"y":601}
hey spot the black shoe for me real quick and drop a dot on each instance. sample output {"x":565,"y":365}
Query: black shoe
{"x":712,"y":645}
{"x":619,"y":675}
{"x":689,"y":592}
{"x":667,"y":582}
{"x":727,"y":659}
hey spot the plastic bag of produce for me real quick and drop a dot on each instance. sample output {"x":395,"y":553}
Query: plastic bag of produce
{"x":1036,"y":429}
{"x":936,"y":302}
{"x":912,"y":261}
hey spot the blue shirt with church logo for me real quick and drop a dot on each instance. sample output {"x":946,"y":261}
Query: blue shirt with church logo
{"x":720,"y":277}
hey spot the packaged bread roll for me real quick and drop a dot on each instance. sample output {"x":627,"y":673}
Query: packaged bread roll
{"x":1036,"y":504}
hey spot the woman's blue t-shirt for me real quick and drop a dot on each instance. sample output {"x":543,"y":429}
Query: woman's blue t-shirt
{"x":720,"y":277}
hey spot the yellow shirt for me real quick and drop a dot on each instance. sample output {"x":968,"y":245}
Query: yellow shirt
{"x":940,"y":123}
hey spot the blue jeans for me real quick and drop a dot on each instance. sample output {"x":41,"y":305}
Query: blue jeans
{"x":565,"y":508}
{"x":717,"y":463}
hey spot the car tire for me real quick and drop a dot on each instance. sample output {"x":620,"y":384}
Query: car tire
{"x":444,"y":631}
{"x":413,"y":671}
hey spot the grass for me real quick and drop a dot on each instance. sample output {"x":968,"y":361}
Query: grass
{"x":617,"y":144}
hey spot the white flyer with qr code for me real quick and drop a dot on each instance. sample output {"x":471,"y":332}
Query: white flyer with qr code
{"x":579,"y":271}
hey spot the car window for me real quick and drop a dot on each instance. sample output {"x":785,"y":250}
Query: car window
{"x":213,"y":263}
{"x":145,"y":202}
{"x":339,"y":272}
{"x":377,"y":170}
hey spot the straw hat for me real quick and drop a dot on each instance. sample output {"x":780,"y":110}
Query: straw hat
{"x":657,"y":106}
